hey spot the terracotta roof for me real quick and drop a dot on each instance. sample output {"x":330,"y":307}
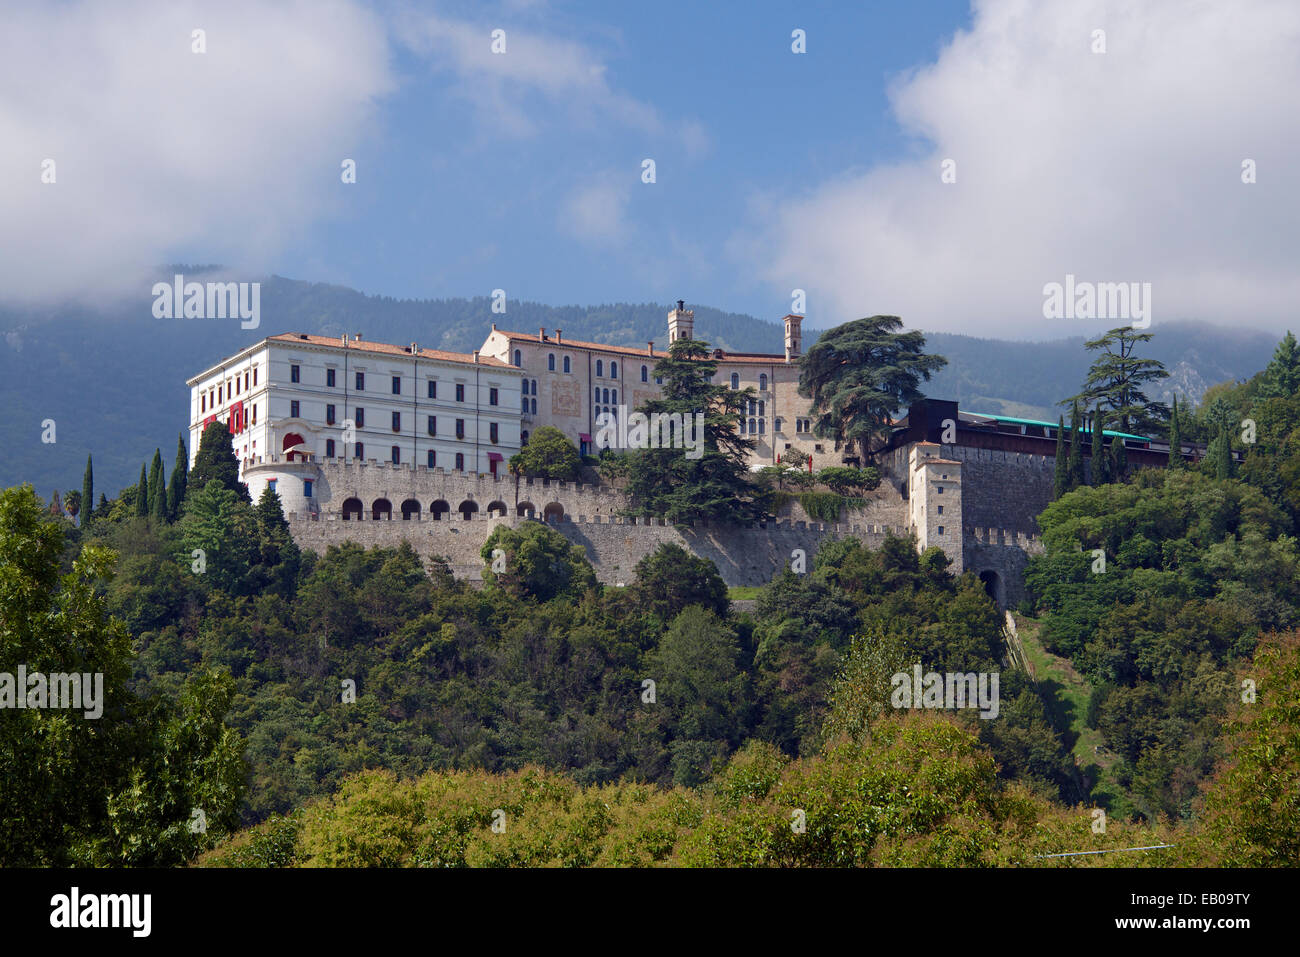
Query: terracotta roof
{"x":578,"y":344}
{"x":740,"y":357}
{"x":385,"y":348}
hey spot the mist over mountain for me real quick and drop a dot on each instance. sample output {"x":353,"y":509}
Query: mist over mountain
{"x":113,"y":379}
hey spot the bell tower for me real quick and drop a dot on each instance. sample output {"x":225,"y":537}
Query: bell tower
{"x":681,"y":323}
{"x":792,"y":337}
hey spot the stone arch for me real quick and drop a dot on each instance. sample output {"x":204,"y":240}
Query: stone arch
{"x":438,"y":508}
{"x":993,"y":586}
{"x":381,"y":510}
{"x":352,"y":509}
{"x":525,"y":510}
{"x":410,"y":510}
{"x":468,"y":509}
{"x":497,"y":509}
{"x":553,"y":513}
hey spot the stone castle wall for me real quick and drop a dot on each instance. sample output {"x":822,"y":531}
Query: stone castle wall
{"x":589,"y":517}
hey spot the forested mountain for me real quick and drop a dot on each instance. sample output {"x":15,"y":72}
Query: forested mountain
{"x":113,"y":380}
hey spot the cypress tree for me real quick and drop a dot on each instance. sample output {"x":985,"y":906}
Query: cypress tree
{"x":1075,"y":478}
{"x":157,"y":490}
{"x":142,"y":494}
{"x":87,"y":494}
{"x":102,"y":507}
{"x":180,"y":476}
{"x":1118,"y":460}
{"x":215,"y":459}
{"x":1175,"y":438}
{"x":1223,"y":455}
{"x":1100,"y":456}
{"x":1062,"y":475}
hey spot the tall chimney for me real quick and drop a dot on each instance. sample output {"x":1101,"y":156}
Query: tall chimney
{"x":541,"y":334}
{"x":558,"y":334}
{"x":358,"y":337}
{"x":476,"y":355}
{"x":650,"y":348}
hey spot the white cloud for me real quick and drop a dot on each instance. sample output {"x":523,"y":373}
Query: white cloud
{"x":503,"y":86}
{"x":158,"y":149}
{"x":596,"y":211}
{"x":1122,"y":166}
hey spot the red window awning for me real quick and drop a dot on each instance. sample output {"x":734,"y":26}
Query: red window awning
{"x":495,"y":457}
{"x":584,"y":436}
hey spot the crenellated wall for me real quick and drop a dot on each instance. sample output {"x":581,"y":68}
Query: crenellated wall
{"x":993,"y":505}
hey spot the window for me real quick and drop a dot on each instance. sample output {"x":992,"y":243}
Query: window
{"x":566,"y":364}
{"x":293,"y":409}
{"x":397,"y":421}
{"x":606,"y":399}
{"x":940,"y":489}
{"x":460,"y":392}
{"x":492,"y":396}
{"x":460,"y":462}
{"x":294,"y":374}
{"x":524,"y":401}
{"x":761,"y":424}
{"x":255,"y":416}
{"x":218,"y":394}
{"x":613,"y":369}
{"x":735,"y":380}
{"x":329,"y":415}
{"x":940,"y":531}
{"x":940,"y":509}
{"x":361,"y":417}
{"x":533,"y":403}
{"x":534,"y":387}
{"x":762,"y":407}
{"x":397,"y":455}
{"x":616,"y":396}
{"x":492,"y":433}
{"x":361,"y":382}
{"x":397,"y":385}
{"x":460,"y":428}
{"x":818,"y":448}
{"x":776,"y":425}
{"x":361,"y":450}
{"x":595,"y":395}
{"x":753,"y":427}
{"x":740,"y":426}
{"x":762,"y":382}
{"x":432,"y":457}
{"x":600,"y":368}
{"x":659,"y":380}
{"x":329,"y":448}
{"x":329,"y":378}
{"x":645,"y":374}
{"x":271,"y":484}
{"x":306,"y":488}
{"x":254,"y":375}
{"x":433,"y":388}
{"x":550,"y":362}
{"x":519,"y":358}
{"x":433,"y":425}
{"x":245,"y":381}
{"x":203,"y":402}
{"x":753,"y":407}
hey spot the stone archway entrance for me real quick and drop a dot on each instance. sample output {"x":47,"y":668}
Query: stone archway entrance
{"x":993,"y":586}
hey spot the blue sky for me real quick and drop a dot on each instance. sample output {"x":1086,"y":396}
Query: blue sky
{"x":1119,"y":160}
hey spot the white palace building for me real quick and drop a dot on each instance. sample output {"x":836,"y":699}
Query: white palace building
{"x":294,"y":399}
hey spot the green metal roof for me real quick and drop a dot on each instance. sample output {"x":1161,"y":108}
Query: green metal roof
{"x":1053,"y":425}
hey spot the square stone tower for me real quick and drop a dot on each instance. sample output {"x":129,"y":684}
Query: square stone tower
{"x":681,"y":323}
{"x":793,"y":338}
{"x":934,"y":502}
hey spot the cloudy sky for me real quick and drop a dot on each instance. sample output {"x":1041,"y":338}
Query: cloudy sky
{"x":774,"y":170}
